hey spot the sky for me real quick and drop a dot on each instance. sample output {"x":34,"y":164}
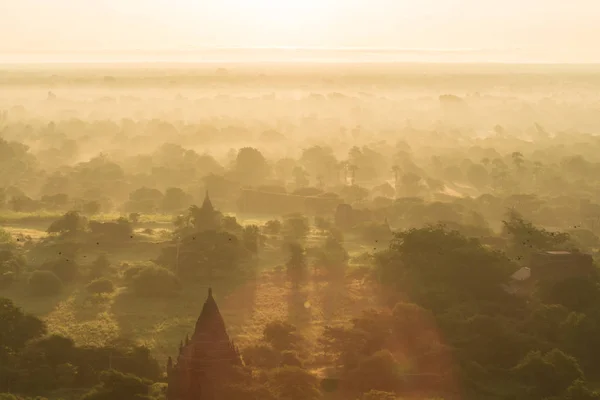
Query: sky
{"x":545,"y":30}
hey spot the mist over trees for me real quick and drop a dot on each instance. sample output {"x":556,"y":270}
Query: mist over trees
{"x":368,"y":232}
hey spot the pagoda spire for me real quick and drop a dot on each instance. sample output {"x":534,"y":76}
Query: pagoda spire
{"x":210,"y":319}
{"x":207,"y":204}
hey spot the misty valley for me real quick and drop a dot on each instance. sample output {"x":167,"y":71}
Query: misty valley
{"x":299,"y":232}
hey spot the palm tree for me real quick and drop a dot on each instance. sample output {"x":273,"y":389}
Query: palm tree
{"x":518,"y":160}
{"x":343,"y":167}
{"x":352,"y":169}
{"x":396,"y":170}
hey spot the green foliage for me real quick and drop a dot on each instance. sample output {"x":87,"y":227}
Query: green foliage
{"x":17,"y":328}
{"x":44,"y":283}
{"x":291,"y":359}
{"x":375,"y":233}
{"x":11,"y":266}
{"x":69,"y":224}
{"x":580,"y":391}
{"x":100,"y":286}
{"x":252,"y":238}
{"x":91,"y":207}
{"x":206,"y":253}
{"x":112,"y":231}
{"x":5,"y":237}
{"x":65,"y":268}
{"x":175,"y":200}
{"x":378,"y":395}
{"x":261,"y":356}
{"x":100,"y":266}
{"x":291,"y":383}
{"x":296,"y":227}
{"x":282,"y":335}
{"x":144,"y":200}
{"x":527,"y":239}
{"x":548,"y":374}
{"x":250,"y":166}
{"x":153,"y":281}
{"x":118,"y":386}
{"x":332,"y":256}
{"x":273,"y":227}
{"x":441,"y":266}
{"x":296,"y":264}
{"x":577,"y":293}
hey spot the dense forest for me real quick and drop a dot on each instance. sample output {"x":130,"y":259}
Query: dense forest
{"x":369,"y":233}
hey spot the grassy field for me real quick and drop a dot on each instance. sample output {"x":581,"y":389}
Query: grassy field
{"x":160,"y":324}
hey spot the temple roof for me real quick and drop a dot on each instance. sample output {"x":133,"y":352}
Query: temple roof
{"x":207,"y":204}
{"x":210,"y":322}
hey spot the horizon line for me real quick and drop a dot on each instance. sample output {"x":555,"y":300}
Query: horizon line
{"x":254,"y":48}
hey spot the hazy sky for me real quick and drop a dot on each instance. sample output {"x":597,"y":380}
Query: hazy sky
{"x":562,"y":30}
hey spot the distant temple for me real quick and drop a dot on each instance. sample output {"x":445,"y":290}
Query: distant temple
{"x":206,"y":218}
{"x":206,"y":361}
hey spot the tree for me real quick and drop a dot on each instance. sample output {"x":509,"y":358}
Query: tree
{"x":69,"y":224}
{"x":100,"y":286}
{"x":113,"y":231}
{"x":250,"y":166}
{"x":332,"y":256}
{"x":438,"y":266}
{"x":379,"y":395}
{"x":205,"y":255}
{"x":44,"y":283}
{"x":17,"y":328}
{"x":261,"y":356}
{"x":252,"y":238}
{"x":410,"y":182}
{"x":296,"y":264}
{"x":118,"y":386}
{"x":154,"y":281}
{"x":377,"y":372}
{"x":318,"y":161}
{"x":296,"y":227}
{"x":478,"y":176}
{"x":144,"y":200}
{"x":134,"y":217}
{"x":273,"y":227}
{"x":580,"y":391}
{"x":300,"y":177}
{"x":527,"y":239}
{"x":100,"y":266}
{"x":282,"y":335}
{"x":175,"y":200}
{"x":55,"y":202}
{"x":576,"y":293}
{"x":65,"y":268}
{"x":548,"y":374}
{"x":91,"y":207}
{"x":293,"y":383}
{"x":517,"y":159}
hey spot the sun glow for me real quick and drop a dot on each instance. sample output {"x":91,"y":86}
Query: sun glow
{"x":286,"y":17}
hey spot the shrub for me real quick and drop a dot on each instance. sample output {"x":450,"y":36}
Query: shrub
{"x":379,"y":395}
{"x":261,"y":356}
{"x":7,"y":279}
{"x":117,"y":385}
{"x":99,"y":267}
{"x":100,"y":286}
{"x":296,"y":227}
{"x":281,"y":335}
{"x":44,"y":283}
{"x":154,"y":281}
{"x":290,"y":359}
{"x":66,"y":269}
{"x":272,"y":227}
